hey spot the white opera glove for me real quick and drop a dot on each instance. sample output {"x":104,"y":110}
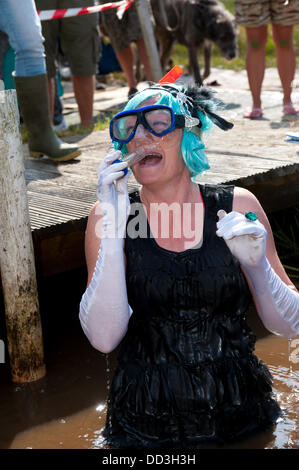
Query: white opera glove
{"x":104,"y":309}
{"x":278,"y":303}
{"x":246,"y":239}
{"x":113,"y":197}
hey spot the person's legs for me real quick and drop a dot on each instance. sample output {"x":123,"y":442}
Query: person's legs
{"x":50,"y":32}
{"x":34,"y":104}
{"x":122,"y":34}
{"x":286,"y":62}
{"x":84,"y":87}
{"x":19,"y":20}
{"x":255,"y":65}
{"x":80,"y":42}
{"x":125,"y":58}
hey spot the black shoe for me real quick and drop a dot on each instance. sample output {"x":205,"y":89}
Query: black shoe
{"x":132,"y":92}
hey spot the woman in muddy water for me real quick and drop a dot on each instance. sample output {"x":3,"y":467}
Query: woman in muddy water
{"x":172,"y":269}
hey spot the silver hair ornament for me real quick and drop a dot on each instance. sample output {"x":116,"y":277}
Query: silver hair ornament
{"x":183,"y":101}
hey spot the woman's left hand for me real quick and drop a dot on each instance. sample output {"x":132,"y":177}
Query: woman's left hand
{"x":246,"y":239}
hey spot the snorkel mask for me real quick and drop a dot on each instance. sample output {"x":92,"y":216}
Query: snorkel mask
{"x":159,"y":120}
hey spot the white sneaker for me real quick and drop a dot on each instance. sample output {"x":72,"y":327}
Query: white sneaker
{"x":62,"y":126}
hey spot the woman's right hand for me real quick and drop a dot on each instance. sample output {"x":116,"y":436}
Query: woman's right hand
{"x":104,"y":308}
{"x":113,"y":196}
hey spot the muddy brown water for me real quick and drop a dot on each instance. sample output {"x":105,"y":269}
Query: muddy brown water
{"x":66,"y":409}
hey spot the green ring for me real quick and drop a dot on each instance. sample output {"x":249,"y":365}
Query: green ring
{"x":251,"y":216}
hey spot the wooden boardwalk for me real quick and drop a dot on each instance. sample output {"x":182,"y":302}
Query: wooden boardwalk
{"x":254,"y":155}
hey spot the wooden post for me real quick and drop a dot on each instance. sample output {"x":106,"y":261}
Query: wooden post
{"x":145,"y":18}
{"x":23,"y":324}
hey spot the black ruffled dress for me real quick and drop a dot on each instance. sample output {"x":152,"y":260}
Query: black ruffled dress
{"x":186,"y":372}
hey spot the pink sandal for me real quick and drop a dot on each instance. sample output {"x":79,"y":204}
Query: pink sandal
{"x":255,"y":113}
{"x":289,"y":109}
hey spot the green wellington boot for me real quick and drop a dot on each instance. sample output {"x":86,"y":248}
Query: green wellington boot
{"x":33,"y":99}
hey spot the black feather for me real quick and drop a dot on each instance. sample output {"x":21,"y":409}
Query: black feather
{"x":204,"y":101}
{"x":201,"y":99}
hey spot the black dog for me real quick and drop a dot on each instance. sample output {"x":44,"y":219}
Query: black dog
{"x":195,"y":24}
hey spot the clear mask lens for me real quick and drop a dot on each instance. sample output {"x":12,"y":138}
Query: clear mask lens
{"x":124,"y":126}
{"x":156,"y":121}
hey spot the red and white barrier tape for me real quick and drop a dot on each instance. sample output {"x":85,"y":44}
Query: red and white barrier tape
{"x":121,"y":7}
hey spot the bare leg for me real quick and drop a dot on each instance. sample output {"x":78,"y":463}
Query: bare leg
{"x":255,"y":63}
{"x":286,"y":60}
{"x":142,"y":54}
{"x":84,"y":87}
{"x":125,"y":58}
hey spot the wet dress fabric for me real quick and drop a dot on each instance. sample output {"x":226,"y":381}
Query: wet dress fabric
{"x":186,"y":372}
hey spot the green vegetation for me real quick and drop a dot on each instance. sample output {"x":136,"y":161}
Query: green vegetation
{"x":180,"y":56}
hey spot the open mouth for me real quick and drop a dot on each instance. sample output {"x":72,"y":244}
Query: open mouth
{"x":151,"y":159}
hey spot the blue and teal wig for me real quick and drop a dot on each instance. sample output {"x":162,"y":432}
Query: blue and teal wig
{"x":191,"y":102}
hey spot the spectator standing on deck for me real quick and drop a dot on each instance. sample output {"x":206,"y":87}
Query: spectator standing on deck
{"x":121,"y":34}
{"x":80,"y":42}
{"x":255,"y":15}
{"x":19,"y":20}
